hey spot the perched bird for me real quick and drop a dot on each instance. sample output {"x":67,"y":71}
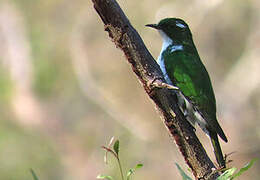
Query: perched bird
{"x":182,"y":67}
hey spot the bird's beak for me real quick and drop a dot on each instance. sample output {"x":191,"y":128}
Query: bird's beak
{"x":155,"y":26}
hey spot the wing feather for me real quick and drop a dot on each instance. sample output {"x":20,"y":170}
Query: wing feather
{"x":188,"y":73}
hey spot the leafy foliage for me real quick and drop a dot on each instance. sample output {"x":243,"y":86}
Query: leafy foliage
{"x":229,"y":174}
{"x":132,"y":170}
{"x":104,"y":177}
{"x":115,"y":153}
{"x":34,"y":175}
{"x":183,"y":174}
{"x":116,"y":147}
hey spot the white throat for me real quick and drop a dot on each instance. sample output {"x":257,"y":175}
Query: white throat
{"x":167,"y":41}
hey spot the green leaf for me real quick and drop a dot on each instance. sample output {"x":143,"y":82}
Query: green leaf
{"x":138,"y":166}
{"x":104,"y":177}
{"x":131,"y":171}
{"x":245,"y":168}
{"x":227,"y":174}
{"x":183,"y":174}
{"x":34,"y":175}
{"x":116,"y":147}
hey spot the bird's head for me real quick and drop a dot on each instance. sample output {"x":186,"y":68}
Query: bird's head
{"x":174,"y":28}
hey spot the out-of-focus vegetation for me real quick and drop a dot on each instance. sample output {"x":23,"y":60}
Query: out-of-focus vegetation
{"x":229,"y":173}
{"x":65,"y":89}
{"x":114,"y":152}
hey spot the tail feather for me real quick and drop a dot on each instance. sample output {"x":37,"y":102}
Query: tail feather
{"x":217,"y":149}
{"x":220,"y":132}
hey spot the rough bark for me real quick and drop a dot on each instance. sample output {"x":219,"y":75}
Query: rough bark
{"x":148,"y":72}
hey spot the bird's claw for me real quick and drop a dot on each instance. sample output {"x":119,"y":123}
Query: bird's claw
{"x":157,"y":83}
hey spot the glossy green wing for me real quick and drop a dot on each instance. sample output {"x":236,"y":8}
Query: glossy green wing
{"x":187,"y":72}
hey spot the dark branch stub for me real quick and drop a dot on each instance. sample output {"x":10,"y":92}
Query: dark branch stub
{"x":148,"y":72}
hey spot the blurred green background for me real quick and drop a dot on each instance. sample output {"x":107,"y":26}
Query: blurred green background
{"x":65,"y":89}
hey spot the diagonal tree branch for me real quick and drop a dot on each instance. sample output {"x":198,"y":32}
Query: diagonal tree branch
{"x":148,"y":72}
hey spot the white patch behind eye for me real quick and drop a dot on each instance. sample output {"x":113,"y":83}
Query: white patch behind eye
{"x":176,"y":48}
{"x":180,"y":25}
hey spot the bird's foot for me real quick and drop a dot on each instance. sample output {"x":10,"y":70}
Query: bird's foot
{"x":157,"y":83}
{"x":168,"y":86}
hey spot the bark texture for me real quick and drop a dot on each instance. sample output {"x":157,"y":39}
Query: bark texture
{"x":148,"y":72}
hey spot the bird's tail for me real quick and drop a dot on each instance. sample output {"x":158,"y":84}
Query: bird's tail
{"x":217,"y":149}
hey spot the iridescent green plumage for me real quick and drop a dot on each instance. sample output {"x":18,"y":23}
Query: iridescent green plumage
{"x":181,"y":64}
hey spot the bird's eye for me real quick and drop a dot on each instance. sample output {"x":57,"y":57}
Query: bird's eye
{"x":180,"y":25}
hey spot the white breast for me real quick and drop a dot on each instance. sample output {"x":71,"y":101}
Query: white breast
{"x":166,"y":43}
